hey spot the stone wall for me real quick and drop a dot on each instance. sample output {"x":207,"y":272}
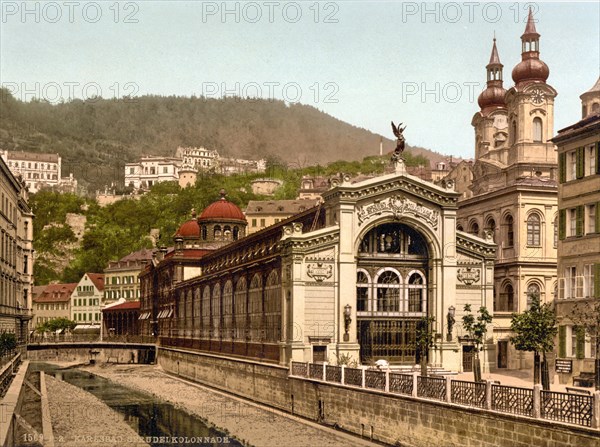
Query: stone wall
{"x":60,"y":353}
{"x":395,"y":420}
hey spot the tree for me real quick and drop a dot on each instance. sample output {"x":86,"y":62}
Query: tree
{"x":534,"y":331}
{"x":476,"y":328}
{"x":56,"y":324}
{"x":586,"y":315}
{"x":424,"y":340}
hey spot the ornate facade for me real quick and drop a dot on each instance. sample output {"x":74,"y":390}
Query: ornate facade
{"x":515,"y":187}
{"x":350,"y":277}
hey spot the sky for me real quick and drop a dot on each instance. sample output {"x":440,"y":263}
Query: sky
{"x":366,"y":63}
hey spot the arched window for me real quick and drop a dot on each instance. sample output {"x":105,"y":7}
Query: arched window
{"x":255,"y":309}
{"x":595,"y":107}
{"x":362,"y":291}
{"x":533,"y":230}
{"x":388,"y":292}
{"x":507,"y":299}
{"x":236,"y":233}
{"x":197,"y":313}
{"x":273,"y":308}
{"x":206,"y":313}
{"x":459,"y":227}
{"x":216,"y":311}
{"x":474,"y":228}
{"x":513,"y":133}
{"x":532,"y":290}
{"x":188,"y":315}
{"x":416,"y":293}
{"x":510,"y":234}
{"x":227,"y":311}
{"x":537,"y":129}
{"x":227,"y":233}
{"x":240,"y":309}
{"x":217,"y":232}
{"x":490,"y":225}
{"x":204,"y":232}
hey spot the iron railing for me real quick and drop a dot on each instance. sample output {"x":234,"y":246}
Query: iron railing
{"x":432,"y":387}
{"x":563,"y":407}
{"x":567,"y":407}
{"x":468,"y":393}
{"x":510,"y":399}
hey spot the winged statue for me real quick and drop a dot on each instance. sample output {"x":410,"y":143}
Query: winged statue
{"x":400,"y":138}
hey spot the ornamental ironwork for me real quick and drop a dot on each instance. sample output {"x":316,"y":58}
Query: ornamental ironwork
{"x":315,"y":371}
{"x":333,"y":374}
{"x":567,"y":407}
{"x":353,"y":376}
{"x":299,"y":369}
{"x":468,"y":393}
{"x":432,"y":387}
{"x":509,"y":399}
{"x":401,"y":383}
{"x":375,"y":379}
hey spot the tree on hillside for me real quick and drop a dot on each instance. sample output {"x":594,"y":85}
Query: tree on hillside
{"x":534,"y":331}
{"x":477,"y":329}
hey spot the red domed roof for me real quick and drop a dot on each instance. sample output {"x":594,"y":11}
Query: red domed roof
{"x":190,"y":229}
{"x":492,"y":96}
{"x":222,"y":209}
{"x":530,"y":69}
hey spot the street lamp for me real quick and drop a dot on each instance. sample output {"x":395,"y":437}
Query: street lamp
{"x":451,"y":321}
{"x":347,"y":321}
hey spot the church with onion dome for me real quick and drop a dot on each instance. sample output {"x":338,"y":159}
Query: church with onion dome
{"x":515,"y":187}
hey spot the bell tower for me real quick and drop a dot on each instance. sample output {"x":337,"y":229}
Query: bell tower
{"x":530,"y":105}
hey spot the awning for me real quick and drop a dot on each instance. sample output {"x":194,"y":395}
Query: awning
{"x":144,"y":316}
{"x":87,"y":328}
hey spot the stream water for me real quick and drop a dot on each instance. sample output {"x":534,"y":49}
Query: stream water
{"x":151,"y":418}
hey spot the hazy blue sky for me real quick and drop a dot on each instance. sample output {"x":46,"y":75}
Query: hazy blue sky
{"x":363,"y":62}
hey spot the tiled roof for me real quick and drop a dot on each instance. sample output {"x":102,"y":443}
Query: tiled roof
{"x":56,"y":293}
{"x":145,"y":254}
{"x":32,"y":156}
{"x":97,"y":279}
{"x":278,"y":206}
{"x":127,"y":305}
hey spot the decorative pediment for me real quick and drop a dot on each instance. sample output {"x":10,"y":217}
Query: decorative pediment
{"x":397,"y":206}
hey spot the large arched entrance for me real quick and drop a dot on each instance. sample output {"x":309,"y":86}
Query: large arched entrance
{"x":391,"y":292}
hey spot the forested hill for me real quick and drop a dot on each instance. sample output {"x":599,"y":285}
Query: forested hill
{"x":97,"y":137}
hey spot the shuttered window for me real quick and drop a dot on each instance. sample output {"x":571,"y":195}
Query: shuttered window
{"x":562,"y":167}
{"x":597,"y":280}
{"x":562,"y":341}
{"x":562,"y":224}
{"x":579,"y":228}
{"x":580,"y":162}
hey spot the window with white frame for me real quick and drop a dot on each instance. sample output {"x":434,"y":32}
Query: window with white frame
{"x":590,"y":159}
{"x":572,"y":221}
{"x":533,"y":230}
{"x":590,"y":219}
{"x":570,"y":281}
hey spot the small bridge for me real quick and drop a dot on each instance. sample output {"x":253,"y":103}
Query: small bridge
{"x":109,"y":351}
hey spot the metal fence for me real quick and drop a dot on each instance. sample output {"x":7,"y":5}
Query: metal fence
{"x":563,"y":407}
{"x":431,"y":387}
{"x":401,"y":383}
{"x":510,"y":399}
{"x":567,"y":407}
{"x":468,"y":393}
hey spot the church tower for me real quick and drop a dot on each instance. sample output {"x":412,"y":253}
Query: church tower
{"x":514,"y":189}
{"x":530,"y":104}
{"x":490,"y":122}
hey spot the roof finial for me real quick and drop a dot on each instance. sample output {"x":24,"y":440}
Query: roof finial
{"x":193,"y":213}
{"x":223,"y":193}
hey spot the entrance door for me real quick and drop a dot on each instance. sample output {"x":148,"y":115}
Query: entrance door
{"x":468,"y":355}
{"x":502,"y":354}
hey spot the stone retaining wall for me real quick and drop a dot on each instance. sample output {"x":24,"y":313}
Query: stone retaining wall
{"x":395,"y":420}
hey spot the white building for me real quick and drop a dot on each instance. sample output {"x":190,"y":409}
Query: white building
{"x":151,"y":170}
{"x":37,"y":170}
{"x":86,"y":298}
{"x":197,"y":157}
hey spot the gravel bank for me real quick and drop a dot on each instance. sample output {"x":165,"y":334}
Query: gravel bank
{"x":253,"y":424}
{"x":81,"y":419}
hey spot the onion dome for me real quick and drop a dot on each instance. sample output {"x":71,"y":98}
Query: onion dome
{"x":222,"y":209}
{"x":189,"y":229}
{"x":493,"y":96}
{"x":531,"y":68}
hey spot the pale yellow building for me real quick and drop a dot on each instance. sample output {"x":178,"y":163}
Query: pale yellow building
{"x":53,"y":302}
{"x":579,"y":226}
{"x":264,"y":213}
{"x":515,"y":188}
{"x":121,"y":277}
{"x":85,"y":299}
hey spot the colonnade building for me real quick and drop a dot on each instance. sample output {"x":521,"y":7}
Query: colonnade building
{"x":350,"y":277}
